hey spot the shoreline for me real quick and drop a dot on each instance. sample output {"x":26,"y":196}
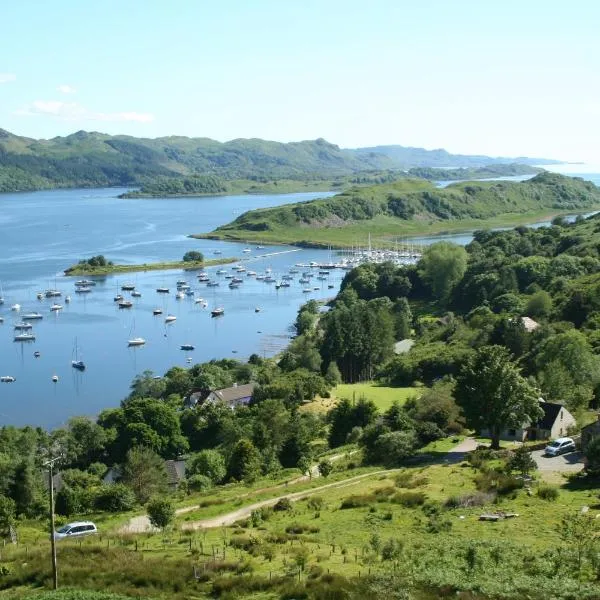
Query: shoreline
{"x":76,"y":270}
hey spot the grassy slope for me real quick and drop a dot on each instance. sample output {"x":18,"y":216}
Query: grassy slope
{"x":409,"y":207}
{"x":159,"y":565}
{"x":382,"y":396}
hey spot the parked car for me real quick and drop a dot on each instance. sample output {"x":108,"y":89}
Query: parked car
{"x":560,"y":446}
{"x":77,"y":529}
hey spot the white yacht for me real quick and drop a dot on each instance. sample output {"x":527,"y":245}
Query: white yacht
{"x":136,"y":341}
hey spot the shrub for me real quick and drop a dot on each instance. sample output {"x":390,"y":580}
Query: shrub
{"x":383,"y":494}
{"x":315,"y":503}
{"x":410,"y":499}
{"x":392,"y":549}
{"x":161,"y":512}
{"x":199,"y":483}
{"x":547,"y":492}
{"x":300,"y":528}
{"x":438,"y":524}
{"x":114,"y":498}
{"x":468,"y":500}
{"x":495,"y":481}
{"x":284,"y":504}
{"x":357,"y":501}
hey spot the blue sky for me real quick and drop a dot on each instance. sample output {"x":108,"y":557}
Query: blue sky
{"x":500,"y":78}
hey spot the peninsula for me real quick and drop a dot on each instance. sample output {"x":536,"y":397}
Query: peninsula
{"x":84,"y":267}
{"x":410,"y":207}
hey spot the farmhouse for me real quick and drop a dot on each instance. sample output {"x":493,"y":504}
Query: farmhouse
{"x":234,"y":396}
{"x":553,"y":424}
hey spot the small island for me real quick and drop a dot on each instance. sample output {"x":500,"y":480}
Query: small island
{"x":98,"y":265}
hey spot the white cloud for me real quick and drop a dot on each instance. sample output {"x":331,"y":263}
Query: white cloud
{"x":66,"y":89}
{"x":7,"y":77}
{"x":72,"y":111}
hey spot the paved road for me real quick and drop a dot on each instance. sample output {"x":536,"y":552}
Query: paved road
{"x":564,"y":463}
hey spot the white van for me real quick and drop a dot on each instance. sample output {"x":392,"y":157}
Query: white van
{"x":76,"y":529}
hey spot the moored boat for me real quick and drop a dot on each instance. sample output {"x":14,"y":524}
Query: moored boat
{"x":56,"y":307}
{"x":157,"y":311}
{"x":187,"y":347}
{"x":32,"y":316}
{"x":24,"y":337}
{"x":125,"y":304}
{"x":136,"y":341}
{"x":7,"y":379}
{"x":22,"y":326}
{"x":162,"y":290}
{"x":170,"y":318}
{"x":217,"y":312}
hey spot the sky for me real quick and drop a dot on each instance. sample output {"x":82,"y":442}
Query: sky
{"x":477,"y":77}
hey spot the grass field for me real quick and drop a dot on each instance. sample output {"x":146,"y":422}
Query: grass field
{"x":382,"y":396}
{"x":343,"y":531}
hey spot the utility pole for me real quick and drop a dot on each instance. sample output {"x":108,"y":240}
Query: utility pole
{"x":50,"y":464}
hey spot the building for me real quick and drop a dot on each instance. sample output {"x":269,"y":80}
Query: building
{"x":175,"y":473}
{"x":554,"y":423}
{"x":590,"y":431}
{"x":234,"y":396}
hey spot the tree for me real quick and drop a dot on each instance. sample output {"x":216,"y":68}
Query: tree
{"x":493,"y":394}
{"x":114,"y":497}
{"x":245,"y":462}
{"x":209,"y":463}
{"x":161,"y":512}
{"x":193,"y":256}
{"x":442,"y":266}
{"x":579,"y":531}
{"x":304,"y":466}
{"x":539,"y":305}
{"x":592,"y":457}
{"x":333,"y":376}
{"x":7,"y":514}
{"x":521,"y":461}
{"x":325,"y":468}
{"x":144,"y":472}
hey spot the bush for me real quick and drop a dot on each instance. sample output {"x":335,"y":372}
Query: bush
{"x":199,"y":483}
{"x":495,"y":481}
{"x":315,"y":503}
{"x":357,"y":501}
{"x":161,"y":512}
{"x":547,"y":492}
{"x":284,"y":504}
{"x":409,"y":499}
{"x":300,"y":528}
{"x":469,"y":500}
{"x":115,"y":497}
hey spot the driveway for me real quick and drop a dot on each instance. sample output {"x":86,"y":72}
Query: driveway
{"x":564,"y":463}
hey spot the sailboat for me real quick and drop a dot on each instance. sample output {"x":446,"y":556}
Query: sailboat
{"x":1,"y":295}
{"x":77,"y":363}
{"x":135,"y":341}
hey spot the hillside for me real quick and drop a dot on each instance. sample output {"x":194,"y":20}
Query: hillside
{"x":408,"y":206}
{"x":419,"y":157}
{"x":92,"y":159}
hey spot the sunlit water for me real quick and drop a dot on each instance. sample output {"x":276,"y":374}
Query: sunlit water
{"x":42,"y":233}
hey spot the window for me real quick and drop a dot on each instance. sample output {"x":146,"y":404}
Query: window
{"x":512,"y":432}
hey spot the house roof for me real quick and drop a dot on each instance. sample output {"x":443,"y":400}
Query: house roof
{"x":236,"y":392}
{"x":551,"y":412}
{"x":529,"y":324}
{"x":175,"y":471}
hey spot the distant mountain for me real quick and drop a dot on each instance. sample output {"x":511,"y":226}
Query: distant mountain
{"x":408,"y":157}
{"x":92,"y":159}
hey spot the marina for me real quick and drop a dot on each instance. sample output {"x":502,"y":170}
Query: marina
{"x":256,"y":317}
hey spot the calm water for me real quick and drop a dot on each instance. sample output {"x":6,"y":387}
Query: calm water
{"x":44,"y":232}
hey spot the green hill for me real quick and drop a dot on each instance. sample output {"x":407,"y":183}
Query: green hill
{"x":410,"y":206}
{"x":92,"y":159}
